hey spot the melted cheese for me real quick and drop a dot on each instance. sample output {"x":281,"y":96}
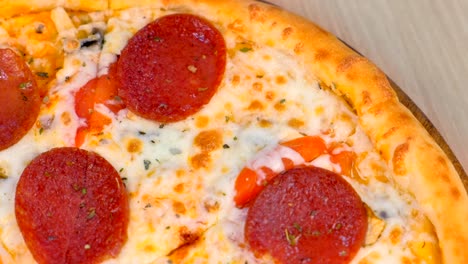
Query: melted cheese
{"x":186,"y":213}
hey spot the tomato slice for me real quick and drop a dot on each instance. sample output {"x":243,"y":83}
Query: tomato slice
{"x":101,"y":90}
{"x":248,"y":185}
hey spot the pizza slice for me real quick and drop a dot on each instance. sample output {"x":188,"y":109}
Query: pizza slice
{"x":210,"y":132}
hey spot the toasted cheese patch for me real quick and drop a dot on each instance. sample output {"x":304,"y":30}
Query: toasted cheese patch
{"x":208,"y":140}
{"x":201,"y":160}
{"x":134,"y":145}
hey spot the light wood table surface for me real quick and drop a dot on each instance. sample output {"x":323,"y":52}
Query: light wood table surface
{"x":422,"y":45}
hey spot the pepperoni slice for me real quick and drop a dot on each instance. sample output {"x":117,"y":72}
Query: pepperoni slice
{"x":307,"y":215}
{"x":19,"y":98}
{"x":171,"y":68}
{"x":71,"y":207}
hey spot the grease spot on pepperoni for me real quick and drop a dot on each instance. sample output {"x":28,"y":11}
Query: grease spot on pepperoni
{"x":19,"y":98}
{"x":307,"y":215}
{"x":71,"y":207}
{"x":171,"y":67}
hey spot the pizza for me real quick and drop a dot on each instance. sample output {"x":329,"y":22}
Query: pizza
{"x":198,"y":131}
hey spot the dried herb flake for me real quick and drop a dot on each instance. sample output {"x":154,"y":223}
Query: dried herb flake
{"x":147,"y":164}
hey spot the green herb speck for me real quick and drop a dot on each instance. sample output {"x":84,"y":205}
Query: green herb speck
{"x":91,"y":213}
{"x":297,"y":226}
{"x":292,"y":239}
{"x":25,"y":85}
{"x":42,"y":74}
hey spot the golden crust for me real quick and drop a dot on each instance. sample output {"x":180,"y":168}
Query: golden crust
{"x":418,"y":163}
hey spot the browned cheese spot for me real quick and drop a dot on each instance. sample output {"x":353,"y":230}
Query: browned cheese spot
{"x":295,"y":123}
{"x":65,"y":117}
{"x":134,"y":145}
{"x":208,"y":140}
{"x":188,"y":239}
{"x":406,"y":260}
{"x":264,"y":123}
{"x":280,"y":106}
{"x":179,"y":207}
{"x":237,"y":25}
{"x":255,"y":105}
{"x":211,"y":206}
{"x":149,"y":248}
{"x":180,"y":173}
{"x":280,"y":80}
{"x":379,"y":173}
{"x":270,"y":95}
{"x":235,"y":80}
{"x":395,"y":235}
{"x":179,"y":188}
{"x":201,"y":160}
{"x":399,"y":159}
{"x":202,"y":121}
{"x":287,"y":32}
{"x":151,"y":227}
{"x":319,"y":110}
{"x":257,"y":86}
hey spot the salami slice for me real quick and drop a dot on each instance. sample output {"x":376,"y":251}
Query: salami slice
{"x":19,"y":98}
{"x":307,"y":215}
{"x":171,"y":68}
{"x":71,"y":207}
